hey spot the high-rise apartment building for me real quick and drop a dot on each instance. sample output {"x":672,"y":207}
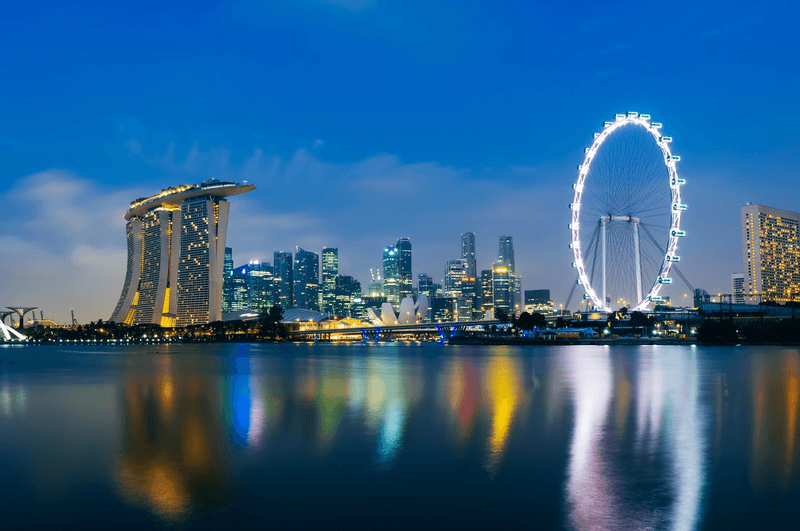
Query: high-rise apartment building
{"x":283,"y":279}
{"x":391,"y":275}
{"x":468,"y":252}
{"x":770,"y":253}
{"x":330,"y":270}
{"x":405,"y":278}
{"x":737,"y":288}
{"x":306,"y":279}
{"x":176,"y":254}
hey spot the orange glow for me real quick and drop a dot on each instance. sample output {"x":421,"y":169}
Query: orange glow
{"x":502,"y":386}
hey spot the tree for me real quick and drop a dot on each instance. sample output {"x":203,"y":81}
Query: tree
{"x":501,"y":316}
{"x":639,"y":319}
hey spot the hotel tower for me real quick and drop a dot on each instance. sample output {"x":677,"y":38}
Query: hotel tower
{"x":770,"y":253}
{"x":176,"y":251}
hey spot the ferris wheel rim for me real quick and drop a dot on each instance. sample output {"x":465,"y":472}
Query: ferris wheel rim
{"x":675,"y":183}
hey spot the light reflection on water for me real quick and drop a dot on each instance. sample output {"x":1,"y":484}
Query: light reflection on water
{"x":570,"y":437}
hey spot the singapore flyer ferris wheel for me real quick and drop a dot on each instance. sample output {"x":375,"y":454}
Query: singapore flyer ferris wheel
{"x":626,"y":214}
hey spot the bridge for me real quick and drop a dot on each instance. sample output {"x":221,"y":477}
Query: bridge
{"x":442,"y":331}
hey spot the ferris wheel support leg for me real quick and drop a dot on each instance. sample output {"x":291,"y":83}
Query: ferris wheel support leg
{"x":603,"y":257}
{"x":637,"y":261}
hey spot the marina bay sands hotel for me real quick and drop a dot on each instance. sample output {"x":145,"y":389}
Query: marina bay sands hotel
{"x":176,"y":250}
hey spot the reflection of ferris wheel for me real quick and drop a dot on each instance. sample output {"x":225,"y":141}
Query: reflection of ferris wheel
{"x":626,"y":214}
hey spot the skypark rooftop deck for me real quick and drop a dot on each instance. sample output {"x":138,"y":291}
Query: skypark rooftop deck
{"x":179,"y":194}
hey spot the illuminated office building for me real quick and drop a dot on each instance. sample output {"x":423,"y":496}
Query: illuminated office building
{"x":486,"y":297}
{"x":330,"y":270}
{"x":346,"y":290}
{"x":538,"y":301}
{"x":283,"y":279}
{"x":425,"y":285}
{"x":468,"y":252}
{"x":240,"y":289}
{"x":405,"y":278}
{"x":391,"y":276}
{"x":260,"y":286}
{"x":506,"y":255}
{"x":501,"y":287}
{"x":770,"y":253}
{"x":176,"y":249}
{"x":227,"y":281}
{"x":737,"y":288}
{"x":454,"y":272}
{"x":306,"y":280}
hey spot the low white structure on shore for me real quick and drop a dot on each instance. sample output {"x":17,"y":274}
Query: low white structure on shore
{"x":8,"y":331}
{"x":410,"y":312}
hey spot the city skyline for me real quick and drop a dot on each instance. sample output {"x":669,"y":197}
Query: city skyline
{"x":489,"y":145}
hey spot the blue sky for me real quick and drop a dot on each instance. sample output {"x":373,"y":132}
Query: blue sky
{"x":362,"y":121}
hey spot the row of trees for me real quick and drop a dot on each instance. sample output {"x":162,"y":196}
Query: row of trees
{"x":267,"y":328}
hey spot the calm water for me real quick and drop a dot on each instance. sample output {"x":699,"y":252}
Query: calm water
{"x":399,"y":437}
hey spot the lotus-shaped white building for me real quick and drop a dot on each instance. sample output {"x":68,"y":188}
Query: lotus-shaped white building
{"x":410,"y":312}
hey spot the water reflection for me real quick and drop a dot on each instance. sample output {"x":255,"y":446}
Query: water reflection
{"x":234,"y":435}
{"x":171,"y":455}
{"x":774,"y":382}
{"x":502,"y":387}
{"x":609,"y":464}
{"x":13,"y":397}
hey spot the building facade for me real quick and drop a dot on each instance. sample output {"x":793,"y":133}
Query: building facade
{"x":306,"y":280}
{"x":538,"y":301}
{"x":770,"y":253}
{"x":501,"y":287}
{"x":737,"y":288}
{"x":405,"y":278}
{"x":176,"y":255}
{"x":391,"y":275}
{"x":283,"y":279}
{"x":468,"y":252}
{"x":330,"y":270}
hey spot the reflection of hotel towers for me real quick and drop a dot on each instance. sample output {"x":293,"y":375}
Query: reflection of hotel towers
{"x":776,"y":399}
{"x":172,"y":445}
{"x":176,"y":249}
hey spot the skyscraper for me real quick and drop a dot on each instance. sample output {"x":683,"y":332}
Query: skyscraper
{"x":176,"y":249}
{"x":425,"y":285}
{"x":330,"y":269}
{"x":506,"y":255}
{"x":486,"y":297}
{"x":261,"y":286}
{"x":240,"y":289}
{"x":468,"y":252}
{"x":737,"y":288}
{"x":227,"y":278}
{"x":391,"y":276}
{"x":454,"y":272}
{"x":501,"y":287}
{"x":283,"y":279}
{"x":771,"y":253}
{"x":346,"y":290}
{"x":306,"y":279}
{"x":406,"y":279}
